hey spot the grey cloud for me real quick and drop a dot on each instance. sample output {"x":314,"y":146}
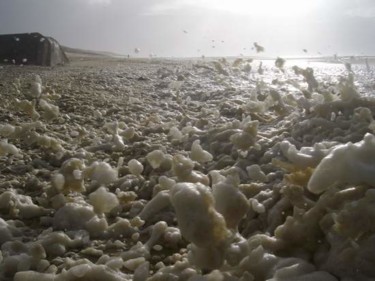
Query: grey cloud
{"x":156,"y":26}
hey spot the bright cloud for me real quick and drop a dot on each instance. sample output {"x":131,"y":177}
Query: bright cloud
{"x":368,"y":12}
{"x":275,"y":8}
{"x":104,"y":2}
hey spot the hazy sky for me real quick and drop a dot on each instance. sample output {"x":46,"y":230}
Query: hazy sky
{"x":188,"y":27}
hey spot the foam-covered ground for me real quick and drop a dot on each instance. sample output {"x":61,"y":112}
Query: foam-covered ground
{"x":117,"y":169}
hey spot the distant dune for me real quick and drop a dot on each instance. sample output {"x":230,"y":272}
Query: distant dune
{"x":81,"y":52}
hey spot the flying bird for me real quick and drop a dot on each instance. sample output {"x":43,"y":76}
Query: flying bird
{"x":258,"y":48}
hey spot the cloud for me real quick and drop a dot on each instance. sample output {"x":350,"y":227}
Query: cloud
{"x":270,"y":8}
{"x":164,"y":7}
{"x":102,"y":2}
{"x":361,"y":12}
{"x":356,"y":9}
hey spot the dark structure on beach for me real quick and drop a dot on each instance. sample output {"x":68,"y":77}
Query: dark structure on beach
{"x":31,"y":48}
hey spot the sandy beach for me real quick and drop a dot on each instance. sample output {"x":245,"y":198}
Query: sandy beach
{"x":155,"y":169}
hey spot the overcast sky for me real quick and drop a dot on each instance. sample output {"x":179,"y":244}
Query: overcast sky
{"x":196,"y":27}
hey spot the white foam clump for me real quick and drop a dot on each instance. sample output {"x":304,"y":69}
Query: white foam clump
{"x":80,"y":216}
{"x":216,"y":176}
{"x":26,"y":257}
{"x":6,"y":233}
{"x":230,"y":201}
{"x":8,"y":148}
{"x":300,"y":272}
{"x":175,"y":133}
{"x":189,"y":129}
{"x":36,"y":89}
{"x":101,"y":173}
{"x":347,"y":89}
{"x":200,"y":223}
{"x":142,"y":272}
{"x":133,"y":264}
{"x":128,"y":133}
{"x":183,"y":168}
{"x":117,"y":140}
{"x":56,"y":243}
{"x":19,"y":205}
{"x":256,"y":206}
{"x":103,"y":201}
{"x":306,"y":156}
{"x":246,"y":137}
{"x":364,"y":114}
{"x":28,"y":107}
{"x":7,"y":130}
{"x":165,"y":183}
{"x":69,"y":177}
{"x":50,"y":111}
{"x":346,"y":164}
{"x":155,"y":158}
{"x":196,"y":216}
{"x":73,"y":216}
{"x":256,"y":173}
{"x":135,"y":167}
{"x":143,"y":250}
{"x":255,"y":106}
{"x":159,"y":202}
{"x":83,"y":272}
{"x":199,"y":154}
